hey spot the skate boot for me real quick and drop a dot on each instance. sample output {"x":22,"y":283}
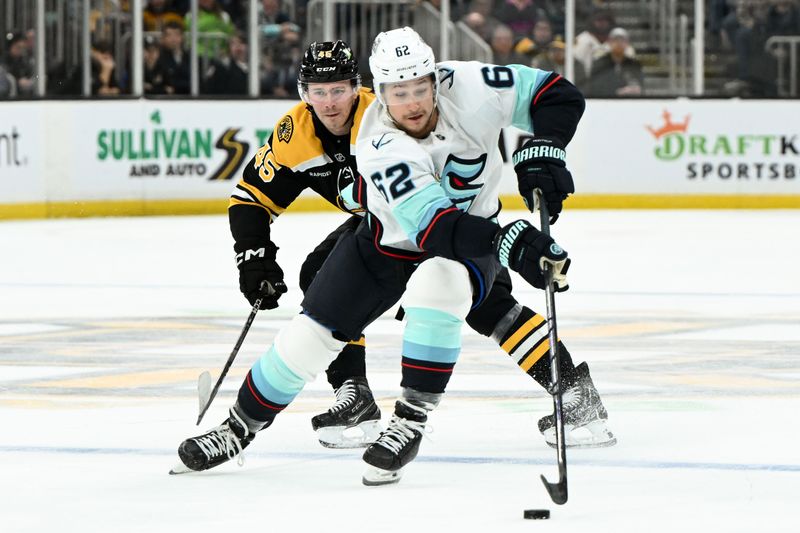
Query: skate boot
{"x":355,"y":409}
{"x":217,"y":446}
{"x":397,"y":446}
{"x":585,"y":418}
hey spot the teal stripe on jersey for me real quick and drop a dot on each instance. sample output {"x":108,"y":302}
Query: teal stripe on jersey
{"x":416,"y":212}
{"x":430,"y":353}
{"x":431,"y":327}
{"x":527,"y":82}
{"x":274,"y":380}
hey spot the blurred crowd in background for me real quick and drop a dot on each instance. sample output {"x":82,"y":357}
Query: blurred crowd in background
{"x":609,"y":62}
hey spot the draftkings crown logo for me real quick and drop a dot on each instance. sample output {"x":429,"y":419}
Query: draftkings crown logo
{"x":669,"y":126}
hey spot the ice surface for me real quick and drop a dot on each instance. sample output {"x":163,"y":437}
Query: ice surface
{"x":690,"y":321}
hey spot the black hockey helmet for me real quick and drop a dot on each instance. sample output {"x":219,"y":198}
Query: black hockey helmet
{"x":327,"y":62}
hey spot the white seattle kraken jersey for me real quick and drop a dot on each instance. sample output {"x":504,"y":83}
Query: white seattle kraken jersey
{"x":408,"y":179}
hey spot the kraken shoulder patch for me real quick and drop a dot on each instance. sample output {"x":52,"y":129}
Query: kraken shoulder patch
{"x":285,"y":129}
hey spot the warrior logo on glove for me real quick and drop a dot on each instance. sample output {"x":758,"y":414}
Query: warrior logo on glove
{"x":538,"y":151}
{"x":541,"y":164}
{"x":524,"y":249}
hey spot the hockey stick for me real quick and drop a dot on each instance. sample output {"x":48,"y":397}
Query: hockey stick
{"x":204,"y":380}
{"x":557,"y":491}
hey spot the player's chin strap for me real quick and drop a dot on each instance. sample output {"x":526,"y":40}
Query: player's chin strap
{"x":557,"y":491}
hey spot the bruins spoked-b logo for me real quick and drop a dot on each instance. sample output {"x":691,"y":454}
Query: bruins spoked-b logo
{"x":285,"y":129}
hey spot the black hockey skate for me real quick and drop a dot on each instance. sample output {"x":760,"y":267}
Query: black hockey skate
{"x":397,"y":446}
{"x":585,"y":417}
{"x":355,"y":409}
{"x":215,"y":447}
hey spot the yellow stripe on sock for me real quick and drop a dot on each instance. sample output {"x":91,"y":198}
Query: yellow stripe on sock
{"x":513,"y":341}
{"x":527,"y":362}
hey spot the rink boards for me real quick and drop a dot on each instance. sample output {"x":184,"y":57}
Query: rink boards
{"x":85,"y":158}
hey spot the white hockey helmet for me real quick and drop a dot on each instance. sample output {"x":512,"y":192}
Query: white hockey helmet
{"x":401,"y":55}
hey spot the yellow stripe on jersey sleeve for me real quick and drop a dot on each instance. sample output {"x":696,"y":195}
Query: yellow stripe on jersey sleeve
{"x":262,"y":198}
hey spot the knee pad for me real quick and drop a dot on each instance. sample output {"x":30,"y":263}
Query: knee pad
{"x":438,"y":297}
{"x":440,"y":284}
{"x":307,"y":347}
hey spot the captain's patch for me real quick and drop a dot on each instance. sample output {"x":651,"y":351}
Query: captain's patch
{"x":285,"y":129}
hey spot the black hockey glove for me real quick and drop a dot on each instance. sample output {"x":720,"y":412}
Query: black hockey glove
{"x":524,"y":249}
{"x":258,"y":266}
{"x":541,"y":164}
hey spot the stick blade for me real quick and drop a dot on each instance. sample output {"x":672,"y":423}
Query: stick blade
{"x":557,"y":491}
{"x":203,"y":393}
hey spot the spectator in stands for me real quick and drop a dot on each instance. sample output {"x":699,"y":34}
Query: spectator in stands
{"x":479,"y":18}
{"x":555,"y":11}
{"x":458,"y":8}
{"x":615,"y":73}
{"x":8,"y":87}
{"x":718,"y":11}
{"x":155,"y":76}
{"x":519,"y":15}
{"x":271,"y":20}
{"x":484,"y":7}
{"x":280,"y":65}
{"x":229,"y":74}
{"x":301,"y":13}
{"x":158,"y":13}
{"x":783,"y":18}
{"x":104,"y":70}
{"x":477,"y":23}
{"x":553,"y":58}
{"x":211,"y":18}
{"x":236,"y":10}
{"x":747,"y":30}
{"x":541,"y":36}
{"x":589,"y":43}
{"x":19,"y":63}
{"x":744,"y":30}
{"x":174,"y":60}
{"x":542,"y":33}
{"x":502,"y":43}
{"x":538,"y":42}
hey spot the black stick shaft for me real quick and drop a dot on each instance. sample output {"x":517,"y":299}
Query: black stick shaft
{"x":557,"y":491}
{"x":229,"y":362}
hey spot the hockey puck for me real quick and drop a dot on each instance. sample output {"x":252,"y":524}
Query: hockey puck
{"x":536,"y":514}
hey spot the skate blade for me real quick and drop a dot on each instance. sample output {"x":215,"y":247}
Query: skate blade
{"x":358,"y":436}
{"x":180,"y":468}
{"x":375,"y":477}
{"x":593,"y":435}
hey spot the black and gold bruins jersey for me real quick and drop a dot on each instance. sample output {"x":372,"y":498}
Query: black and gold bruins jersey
{"x":301,"y":153}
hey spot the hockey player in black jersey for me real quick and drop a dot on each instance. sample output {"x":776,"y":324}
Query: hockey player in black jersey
{"x":311,"y":147}
{"x":307,"y":149}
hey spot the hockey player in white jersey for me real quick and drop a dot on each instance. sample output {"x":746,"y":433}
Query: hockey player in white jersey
{"x":430,"y":165}
{"x":428,"y":154}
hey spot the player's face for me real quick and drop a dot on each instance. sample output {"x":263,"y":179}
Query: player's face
{"x":332,"y":103}
{"x":411,"y":105}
